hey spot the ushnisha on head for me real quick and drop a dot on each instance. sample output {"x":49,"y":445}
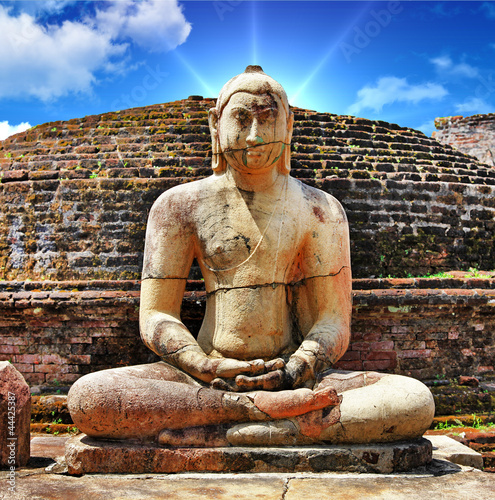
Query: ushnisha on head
{"x":251,"y":125}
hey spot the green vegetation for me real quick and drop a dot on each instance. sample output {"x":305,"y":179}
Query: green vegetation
{"x":476,"y":424}
{"x":440,"y":275}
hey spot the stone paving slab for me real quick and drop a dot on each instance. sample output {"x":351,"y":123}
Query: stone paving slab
{"x":465,"y":484}
{"x":440,"y":479}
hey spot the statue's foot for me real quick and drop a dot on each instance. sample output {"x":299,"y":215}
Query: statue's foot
{"x":285,"y":404}
{"x":206,"y":436}
{"x":300,"y":430}
{"x":276,"y":433}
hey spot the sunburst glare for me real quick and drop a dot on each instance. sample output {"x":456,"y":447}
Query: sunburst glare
{"x":336,"y":43}
{"x":209,"y":91}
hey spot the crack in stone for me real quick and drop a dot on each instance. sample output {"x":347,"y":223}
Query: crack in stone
{"x":285,"y":488}
{"x":180,"y":349}
{"x":233,"y":150}
{"x":275,"y":283}
{"x":162,"y":278}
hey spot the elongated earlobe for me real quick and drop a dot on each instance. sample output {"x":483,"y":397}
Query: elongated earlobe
{"x":284,"y":167}
{"x":217,"y":160}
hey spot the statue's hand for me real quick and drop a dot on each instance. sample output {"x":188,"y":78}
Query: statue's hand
{"x":230,"y":371}
{"x":292,"y":375}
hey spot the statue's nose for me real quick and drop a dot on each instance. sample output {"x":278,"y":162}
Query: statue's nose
{"x":253,"y":138}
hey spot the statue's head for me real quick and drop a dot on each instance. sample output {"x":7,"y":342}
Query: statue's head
{"x":251,"y":125}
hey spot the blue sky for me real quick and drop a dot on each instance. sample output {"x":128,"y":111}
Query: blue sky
{"x":404,"y":62}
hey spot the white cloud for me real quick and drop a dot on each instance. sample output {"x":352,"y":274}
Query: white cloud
{"x":155,"y":25}
{"x":51,"y":61}
{"x":474,"y":106}
{"x":6,"y":130}
{"x":390,"y":89}
{"x":445,"y":65}
{"x":489,"y":9}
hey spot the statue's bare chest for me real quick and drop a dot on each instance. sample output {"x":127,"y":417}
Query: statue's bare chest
{"x":235,"y":231}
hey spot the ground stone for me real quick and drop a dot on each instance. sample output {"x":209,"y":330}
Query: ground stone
{"x":85,"y":455}
{"x":450,"y":449}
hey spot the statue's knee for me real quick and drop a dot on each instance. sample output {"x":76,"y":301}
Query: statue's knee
{"x":85,"y":396}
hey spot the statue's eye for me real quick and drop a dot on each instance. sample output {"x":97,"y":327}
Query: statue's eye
{"x":242,"y":116}
{"x":267,"y":115}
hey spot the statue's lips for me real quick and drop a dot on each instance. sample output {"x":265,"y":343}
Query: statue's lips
{"x":255,"y":151}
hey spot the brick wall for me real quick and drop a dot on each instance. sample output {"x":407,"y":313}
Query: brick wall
{"x":74,"y":195}
{"x":473,"y":135}
{"x":58,"y":331}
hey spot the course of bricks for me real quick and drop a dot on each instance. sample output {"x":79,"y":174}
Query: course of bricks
{"x":473,"y":135}
{"x":54,"y":332}
{"x":74,"y":195}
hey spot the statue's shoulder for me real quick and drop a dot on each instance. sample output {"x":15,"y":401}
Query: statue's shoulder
{"x":183,"y":196}
{"x":323,"y":206}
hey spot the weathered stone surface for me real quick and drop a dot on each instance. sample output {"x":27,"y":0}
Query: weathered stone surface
{"x":452,"y":484}
{"x":447,"y":448}
{"x":85,"y":455}
{"x":275,"y":258}
{"x":447,"y":487}
{"x":15,"y":417}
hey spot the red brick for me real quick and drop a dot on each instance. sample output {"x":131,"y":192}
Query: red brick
{"x":9,"y":349}
{"x":80,"y":340}
{"x":351,"y":356}
{"x":34,"y":378}
{"x":382,"y":346}
{"x":380,"y":364}
{"x":372,"y":337}
{"x":13,"y":340}
{"x":80,"y":359}
{"x":349,"y":365}
{"x":416,"y":353}
{"x":52,"y":359}
{"x":60,"y":295}
{"x":50,"y":369}
{"x":373,"y":356}
{"x":64,"y":378}
{"x":360,"y":346}
{"x":24,"y":368}
{"x":28,"y":358}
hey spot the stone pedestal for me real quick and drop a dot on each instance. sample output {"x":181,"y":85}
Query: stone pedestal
{"x":86,"y":455}
{"x":15,"y":417}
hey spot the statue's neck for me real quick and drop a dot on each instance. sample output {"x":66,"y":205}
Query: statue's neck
{"x":258,"y":182}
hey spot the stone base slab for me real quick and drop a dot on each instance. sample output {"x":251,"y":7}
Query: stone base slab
{"x":449,"y":449}
{"x":85,"y":455}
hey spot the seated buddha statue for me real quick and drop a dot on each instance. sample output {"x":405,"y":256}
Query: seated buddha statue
{"x":274,"y":255}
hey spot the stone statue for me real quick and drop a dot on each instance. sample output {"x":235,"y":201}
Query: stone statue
{"x":274,"y":254}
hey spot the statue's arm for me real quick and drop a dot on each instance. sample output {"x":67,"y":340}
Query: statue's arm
{"x":168,"y":255}
{"x":328,"y":288}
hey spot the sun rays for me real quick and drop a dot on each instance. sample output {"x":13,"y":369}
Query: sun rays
{"x":333,"y":47}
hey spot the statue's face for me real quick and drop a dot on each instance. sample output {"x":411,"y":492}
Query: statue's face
{"x":253,"y":131}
